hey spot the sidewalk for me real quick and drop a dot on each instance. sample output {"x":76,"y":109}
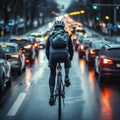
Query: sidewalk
{"x":107,"y":37}
{"x":113,"y":38}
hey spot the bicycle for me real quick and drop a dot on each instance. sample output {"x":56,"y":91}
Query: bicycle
{"x":59,"y":89}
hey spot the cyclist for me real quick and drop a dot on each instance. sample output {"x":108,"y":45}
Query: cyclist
{"x":53,"y":54}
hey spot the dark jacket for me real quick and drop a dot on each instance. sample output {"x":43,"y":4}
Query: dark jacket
{"x":49,"y":48}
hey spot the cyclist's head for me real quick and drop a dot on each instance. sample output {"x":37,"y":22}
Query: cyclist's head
{"x":59,"y":23}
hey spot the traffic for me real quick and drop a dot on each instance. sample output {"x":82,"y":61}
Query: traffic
{"x":94,"y":91}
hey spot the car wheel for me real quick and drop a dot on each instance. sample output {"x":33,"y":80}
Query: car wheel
{"x":31,"y":61}
{"x":24,"y":67}
{"x":19,"y":72}
{"x":80,"y":55}
{"x":76,"y":48}
{"x":96,"y":74}
{"x":1,"y":84}
{"x":9,"y":81}
{"x":100,"y":78}
{"x":37,"y":52}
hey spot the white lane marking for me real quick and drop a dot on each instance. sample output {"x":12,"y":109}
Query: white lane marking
{"x":21,"y":97}
{"x":17,"y":104}
{"x":38,"y":73}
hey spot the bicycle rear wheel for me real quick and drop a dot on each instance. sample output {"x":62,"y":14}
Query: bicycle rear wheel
{"x":59,"y":95}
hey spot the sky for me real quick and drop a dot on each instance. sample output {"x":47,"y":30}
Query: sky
{"x":66,"y":3}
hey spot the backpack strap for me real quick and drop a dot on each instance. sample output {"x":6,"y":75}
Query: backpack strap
{"x":56,"y":32}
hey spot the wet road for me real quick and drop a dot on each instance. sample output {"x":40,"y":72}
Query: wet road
{"x":85,"y":99}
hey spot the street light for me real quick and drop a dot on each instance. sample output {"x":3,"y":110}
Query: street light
{"x":107,"y":17}
{"x":82,"y":11}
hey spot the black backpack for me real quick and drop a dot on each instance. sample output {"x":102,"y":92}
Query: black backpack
{"x":60,"y":40}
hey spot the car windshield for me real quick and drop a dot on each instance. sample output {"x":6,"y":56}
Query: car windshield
{"x":113,"y":53}
{"x":8,"y":49}
{"x":20,"y":42}
{"x":98,"y":45}
{"x":86,"y":42}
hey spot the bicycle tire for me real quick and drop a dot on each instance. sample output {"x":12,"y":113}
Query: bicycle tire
{"x":59,"y":95}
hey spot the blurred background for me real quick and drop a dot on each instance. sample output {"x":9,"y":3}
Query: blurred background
{"x":19,"y":16}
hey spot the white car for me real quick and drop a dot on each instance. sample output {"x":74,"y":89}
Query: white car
{"x":40,"y":38}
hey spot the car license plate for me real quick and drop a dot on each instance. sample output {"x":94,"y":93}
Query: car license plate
{"x":118,"y":65}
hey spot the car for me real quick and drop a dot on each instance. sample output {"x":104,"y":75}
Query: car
{"x":40,"y":38}
{"x":17,"y":59}
{"x":80,"y":30}
{"x":107,"y":63}
{"x":5,"y":71}
{"x":83,"y":46}
{"x":78,"y":41}
{"x":92,"y":51}
{"x":35,"y":44}
{"x":25,"y":46}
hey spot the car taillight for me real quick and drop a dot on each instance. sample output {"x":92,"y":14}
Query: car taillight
{"x":20,"y":50}
{"x":92,"y":52}
{"x":82,"y":47}
{"x":27,"y":46}
{"x":74,"y":37}
{"x":77,"y":42}
{"x":15,"y":56}
{"x":36,"y":45}
{"x":27,"y":60}
{"x":107,"y":61}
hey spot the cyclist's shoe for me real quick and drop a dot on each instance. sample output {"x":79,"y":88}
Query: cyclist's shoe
{"x":67,"y":82}
{"x":63,"y":94}
{"x":52,"y":101}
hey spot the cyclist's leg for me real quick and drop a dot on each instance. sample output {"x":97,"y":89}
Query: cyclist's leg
{"x":52,"y":79}
{"x":67,"y":66}
{"x":66,"y":71}
{"x":52,"y":84}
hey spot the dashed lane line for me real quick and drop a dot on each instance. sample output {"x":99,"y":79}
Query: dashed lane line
{"x":13,"y":110}
{"x":17,"y":104}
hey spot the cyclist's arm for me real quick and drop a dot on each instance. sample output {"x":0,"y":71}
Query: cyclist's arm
{"x":47,"y":48}
{"x":71,"y":48}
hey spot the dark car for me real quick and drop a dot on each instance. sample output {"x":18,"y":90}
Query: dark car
{"x":78,"y":41}
{"x":107,"y":63}
{"x":83,"y":46}
{"x":17,"y":59}
{"x":35,"y":44}
{"x":5,"y":71}
{"x":92,"y":51}
{"x":25,"y":46}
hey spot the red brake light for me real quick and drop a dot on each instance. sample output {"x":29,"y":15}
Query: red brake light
{"x":107,"y":61}
{"x":92,"y":52}
{"x":82,"y":47}
{"x":36,"y":45}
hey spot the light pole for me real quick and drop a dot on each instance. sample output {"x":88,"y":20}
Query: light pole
{"x":115,"y":18}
